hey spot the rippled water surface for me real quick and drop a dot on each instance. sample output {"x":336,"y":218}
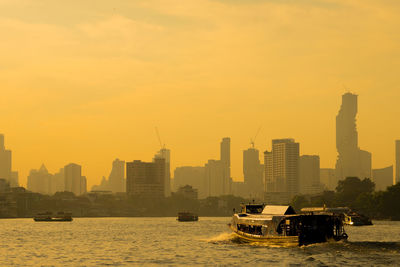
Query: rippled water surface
{"x":151,"y":241}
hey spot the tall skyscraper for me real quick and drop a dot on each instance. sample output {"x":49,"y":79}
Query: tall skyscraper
{"x":397,"y":179}
{"x":351,"y":161}
{"x":309,"y":174}
{"x":253,"y":173}
{"x":225,"y":155}
{"x":74,"y":181}
{"x":145,"y":179}
{"x":282,"y":169}
{"x":5,"y":161}
{"x":166,"y":155}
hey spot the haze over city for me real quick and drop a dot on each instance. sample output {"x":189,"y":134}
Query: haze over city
{"x":90,"y":88}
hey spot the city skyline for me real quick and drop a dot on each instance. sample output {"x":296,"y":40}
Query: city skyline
{"x":240,"y":177}
{"x":88,"y":83}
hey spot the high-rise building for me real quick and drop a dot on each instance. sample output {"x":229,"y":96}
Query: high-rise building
{"x":217,"y":183}
{"x":225,"y":157}
{"x":282,"y":170}
{"x":269,"y":185}
{"x":145,"y":179}
{"x":397,"y":176}
{"x":309,"y":174}
{"x":39,"y":181}
{"x":253,"y":173}
{"x":58,"y":182}
{"x":193,"y":176}
{"x":116,"y":180}
{"x":351,"y":161}
{"x":166,"y":155}
{"x":74,"y":181}
{"x":382,"y":178}
{"x":5,"y":161}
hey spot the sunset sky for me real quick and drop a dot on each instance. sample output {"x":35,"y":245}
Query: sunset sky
{"x":88,"y":81}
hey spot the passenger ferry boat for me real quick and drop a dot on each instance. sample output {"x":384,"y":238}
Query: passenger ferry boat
{"x":280,"y":225}
{"x":48,"y":217}
{"x":187,"y":217}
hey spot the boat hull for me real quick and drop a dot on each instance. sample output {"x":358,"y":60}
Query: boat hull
{"x":52,"y":219}
{"x":270,"y":240}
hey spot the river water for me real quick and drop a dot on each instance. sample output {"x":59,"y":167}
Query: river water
{"x":154,"y":241}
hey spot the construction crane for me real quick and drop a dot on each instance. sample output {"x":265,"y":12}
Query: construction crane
{"x":159,"y":139}
{"x":252,"y":140}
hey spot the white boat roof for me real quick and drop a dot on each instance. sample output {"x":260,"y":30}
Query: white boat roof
{"x":278,"y":210}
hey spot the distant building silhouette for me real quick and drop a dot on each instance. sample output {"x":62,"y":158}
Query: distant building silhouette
{"x":382,"y":178}
{"x":351,"y":161}
{"x":58,"y":182}
{"x":166,"y":155}
{"x":309,"y":174}
{"x":116,"y":179}
{"x":218,"y":172}
{"x":328,"y":178}
{"x":39,"y":181}
{"x":74,"y":181}
{"x":253,"y":173}
{"x":225,"y":155}
{"x":5,"y":161}
{"x":397,"y":176}
{"x":282,"y":171}
{"x":145,"y":179}
{"x":193,"y":176}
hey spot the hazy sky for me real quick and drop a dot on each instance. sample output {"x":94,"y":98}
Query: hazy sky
{"x":87,"y":81}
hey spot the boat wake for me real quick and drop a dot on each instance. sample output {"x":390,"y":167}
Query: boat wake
{"x":221,"y":238}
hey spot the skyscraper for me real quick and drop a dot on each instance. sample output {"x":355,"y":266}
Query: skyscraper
{"x":225,"y":155}
{"x":252,"y":172}
{"x":5,"y":161}
{"x":397,"y":179}
{"x":40,"y":181}
{"x":351,"y":161}
{"x":145,"y":179}
{"x":166,"y":155}
{"x":309,"y":174}
{"x":217,"y":183}
{"x":74,"y":181}
{"x":116,"y":180}
{"x":282,"y":169}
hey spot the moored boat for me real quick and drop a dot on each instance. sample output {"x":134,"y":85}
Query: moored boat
{"x":49,"y":217}
{"x":187,"y":217}
{"x":280,"y":225}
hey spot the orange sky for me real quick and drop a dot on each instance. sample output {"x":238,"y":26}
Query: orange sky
{"x":87,"y":81}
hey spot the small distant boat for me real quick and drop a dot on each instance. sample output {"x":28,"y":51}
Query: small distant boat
{"x":280,"y":225}
{"x":49,"y":217}
{"x":187,"y":217}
